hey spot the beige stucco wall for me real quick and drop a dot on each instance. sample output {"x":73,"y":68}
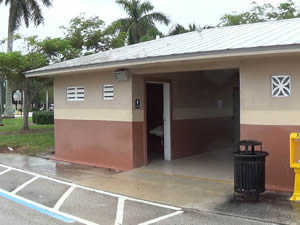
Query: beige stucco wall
{"x":138,"y":92}
{"x":257,"y":104}
{"x":93,"y":107}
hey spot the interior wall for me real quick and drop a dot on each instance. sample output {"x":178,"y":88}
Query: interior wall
{"x":203,"y":111}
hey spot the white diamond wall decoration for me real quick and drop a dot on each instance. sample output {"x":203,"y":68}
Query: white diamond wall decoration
{"x":281,"y":86}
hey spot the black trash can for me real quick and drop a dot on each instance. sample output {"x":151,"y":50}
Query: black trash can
{"x":249,"y":168}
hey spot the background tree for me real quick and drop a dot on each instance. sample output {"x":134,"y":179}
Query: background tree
{"x":32,"y":86}
{"x":262,"y":13}
{"x":53,"y":49}
{"x":177,"y":29}
{"x":9,"y":69}
{"x":180,"y":29}
{"x":141,"y":19}
{"x":285,"y":10}
{"x":87,"y":35}
{"x":38,"y":53}
{"x":151,"y":34}
{"x":21,"y":11}
{"x":90,"y":35}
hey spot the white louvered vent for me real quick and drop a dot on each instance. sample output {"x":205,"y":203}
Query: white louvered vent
{"x":108,"y":92}
{"x":75,"y":93}
{"x":281,"y":86}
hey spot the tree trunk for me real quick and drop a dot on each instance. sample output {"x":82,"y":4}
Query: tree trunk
{"x":29,"y":95}
{"x":9,"y":110}
{"x":10,"y":30}
{"x":26,"y":116}
{"x":10,"y":40}
{"x":26,"y":106}
{"x":1,"y":103}
{"x":47,"y":99}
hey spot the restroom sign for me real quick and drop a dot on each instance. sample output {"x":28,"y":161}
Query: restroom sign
{"x":138,"y":103}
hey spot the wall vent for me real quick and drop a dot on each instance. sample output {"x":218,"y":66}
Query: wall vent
{"x":75,"y":93}
{"x":108,"y":92}
{"x":281,"y":86}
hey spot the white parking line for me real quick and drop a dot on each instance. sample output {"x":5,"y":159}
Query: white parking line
{"x":64,"y":197}
{"x":5,"y":171}
{"x":162,"y":218}
{"x":95,"y":190}
{"x":120,"y":211}
{"x":128,"y":198}
{"x":35,"y":174}
{"x":80,"y":220}
{"x":25,"y":184}
{"x":55,"y":209}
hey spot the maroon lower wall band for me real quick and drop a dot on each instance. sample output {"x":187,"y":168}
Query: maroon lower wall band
{"x":279,"y":175}
{"x":121,"y":145}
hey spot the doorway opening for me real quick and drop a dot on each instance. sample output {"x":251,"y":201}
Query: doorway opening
{"x":158,"y":121}
{"x":205,"y":123}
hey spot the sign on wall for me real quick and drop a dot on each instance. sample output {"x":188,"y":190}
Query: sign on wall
{"x":281,"y":86}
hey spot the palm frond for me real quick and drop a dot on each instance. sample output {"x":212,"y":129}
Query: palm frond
{"x":120,"y":25}
{"x":47,"y":3}
{"x":140,"y":19}
{"x":6,"y":2}
{"x":145,"y":7}
{"x":133,"y":34}
{"x":177,"y":29}
{"x":25,"y":10}
{"x":158,"y":17}
{"x":36,"y":12}
{"x":126,"y":5}
{"x":25,"y":13}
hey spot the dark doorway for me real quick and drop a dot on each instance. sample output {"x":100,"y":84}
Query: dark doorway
{"x":155,"y":130}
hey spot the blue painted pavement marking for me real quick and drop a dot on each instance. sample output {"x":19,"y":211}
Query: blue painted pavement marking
{"x":36,"y":208}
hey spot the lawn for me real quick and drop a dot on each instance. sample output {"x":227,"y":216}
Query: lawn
{"x":38,"y":140}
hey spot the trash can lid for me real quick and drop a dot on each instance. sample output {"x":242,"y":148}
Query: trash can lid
{"x":250,"y":142}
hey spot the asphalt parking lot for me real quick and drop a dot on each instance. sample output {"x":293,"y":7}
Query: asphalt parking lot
{"x":31,"y":199}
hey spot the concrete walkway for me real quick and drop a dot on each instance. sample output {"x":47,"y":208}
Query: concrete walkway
{"x":183,"y":191}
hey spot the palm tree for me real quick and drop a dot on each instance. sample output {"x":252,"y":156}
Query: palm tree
{"x":21,"y":11}
{"x":180,"y":29}
{"x":140,"y":20}
{"x":177,"y":29}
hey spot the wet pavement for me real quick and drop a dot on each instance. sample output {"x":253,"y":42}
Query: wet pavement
{"x":204,"y":218}
{"x":70,"y":203}
{"x":204,"y":201}
{"x":44,"y":192}
{"x":12,"y":213}
{"x":272,"y":206}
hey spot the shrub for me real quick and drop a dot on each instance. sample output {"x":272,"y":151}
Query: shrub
{"x":34,"y":116}
{"x":43,"y":117}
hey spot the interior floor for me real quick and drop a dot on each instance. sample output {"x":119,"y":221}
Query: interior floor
{"x":216,"y":163}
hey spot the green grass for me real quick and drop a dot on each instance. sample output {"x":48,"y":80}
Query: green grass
{"x":16,"y":125}
{"x":27,"y":143}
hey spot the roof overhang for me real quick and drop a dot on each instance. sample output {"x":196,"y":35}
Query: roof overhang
{"x":244,"y":52}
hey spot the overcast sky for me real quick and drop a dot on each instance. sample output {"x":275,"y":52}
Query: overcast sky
{"x":201,"y":12}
